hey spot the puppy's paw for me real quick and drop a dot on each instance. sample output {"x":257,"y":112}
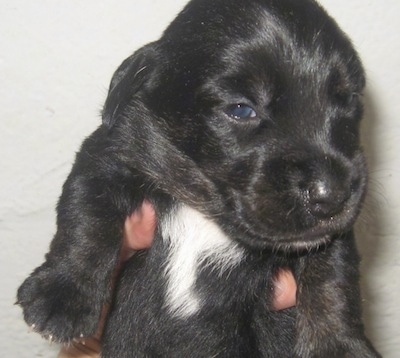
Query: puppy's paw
{"x":56,"y":307}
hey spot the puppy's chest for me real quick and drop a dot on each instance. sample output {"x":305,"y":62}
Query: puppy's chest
{"x":205,"y":268}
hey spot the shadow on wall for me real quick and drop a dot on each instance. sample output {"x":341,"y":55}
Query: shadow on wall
{"x":372,"y":219}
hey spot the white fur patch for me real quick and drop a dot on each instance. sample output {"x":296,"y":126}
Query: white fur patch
{"x":192,"y":239}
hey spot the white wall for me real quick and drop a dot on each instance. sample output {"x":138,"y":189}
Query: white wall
{"x":56,"y":60}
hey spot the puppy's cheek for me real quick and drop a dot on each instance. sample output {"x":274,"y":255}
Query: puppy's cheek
{"x":242,"y":176}
{"x":345,"y":137}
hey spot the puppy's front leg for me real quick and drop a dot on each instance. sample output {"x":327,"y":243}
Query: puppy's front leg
{"x":329,"y":306}
{"x":63,"y":298}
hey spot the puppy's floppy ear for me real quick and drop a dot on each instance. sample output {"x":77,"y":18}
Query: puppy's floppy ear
{"x":127,"y":81}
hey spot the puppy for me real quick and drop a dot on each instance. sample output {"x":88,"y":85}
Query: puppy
{"x":240,"y":126}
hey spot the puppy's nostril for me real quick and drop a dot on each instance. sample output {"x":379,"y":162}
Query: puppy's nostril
{"x":326,"y":199}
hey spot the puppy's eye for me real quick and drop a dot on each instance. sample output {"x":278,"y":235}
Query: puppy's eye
{"x":345,"y":97}
{"x":241,"y":111}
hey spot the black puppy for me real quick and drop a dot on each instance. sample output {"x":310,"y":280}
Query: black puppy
{"x":240,"y":126}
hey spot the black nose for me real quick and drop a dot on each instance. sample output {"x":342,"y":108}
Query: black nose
{"x":326,"y":196}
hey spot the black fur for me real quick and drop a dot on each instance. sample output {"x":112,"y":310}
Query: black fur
{"x":285,"y":182}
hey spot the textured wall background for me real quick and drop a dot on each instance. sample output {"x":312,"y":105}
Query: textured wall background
{"x":56,"y":60}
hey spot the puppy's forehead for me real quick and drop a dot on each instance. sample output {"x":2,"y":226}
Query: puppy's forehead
{"x":214,"y":24}
{"x":266,"y":33}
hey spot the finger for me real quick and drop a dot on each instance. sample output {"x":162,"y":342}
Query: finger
{"x":284,"y":290}
{"x":139,"y":230}
{"x":90,"y":348}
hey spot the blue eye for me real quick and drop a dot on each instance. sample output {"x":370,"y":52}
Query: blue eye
{"x":241,"y":111}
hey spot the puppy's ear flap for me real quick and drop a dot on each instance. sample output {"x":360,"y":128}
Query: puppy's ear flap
{"x":127,"y":81}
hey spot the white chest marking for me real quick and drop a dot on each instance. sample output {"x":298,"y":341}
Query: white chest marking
{"x":192,"y":239}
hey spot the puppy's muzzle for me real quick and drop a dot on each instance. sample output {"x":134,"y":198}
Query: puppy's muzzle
{"x":322,"y":186}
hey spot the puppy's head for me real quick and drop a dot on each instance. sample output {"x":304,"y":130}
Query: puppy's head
{"x":261,"y":100}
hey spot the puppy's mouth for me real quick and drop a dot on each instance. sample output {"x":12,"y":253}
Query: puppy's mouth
{"x":304,"y":243}
{"x":297,"y":241}
{"x":302,"y":232}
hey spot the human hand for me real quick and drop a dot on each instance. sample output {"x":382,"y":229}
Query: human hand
{"x":138,"y":235}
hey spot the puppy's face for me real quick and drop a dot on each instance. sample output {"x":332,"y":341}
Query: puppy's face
{"x":264,"y":97}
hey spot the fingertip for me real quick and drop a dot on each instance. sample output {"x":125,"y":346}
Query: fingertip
{"x":139,"y":227}
{"x":284,"y":290}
